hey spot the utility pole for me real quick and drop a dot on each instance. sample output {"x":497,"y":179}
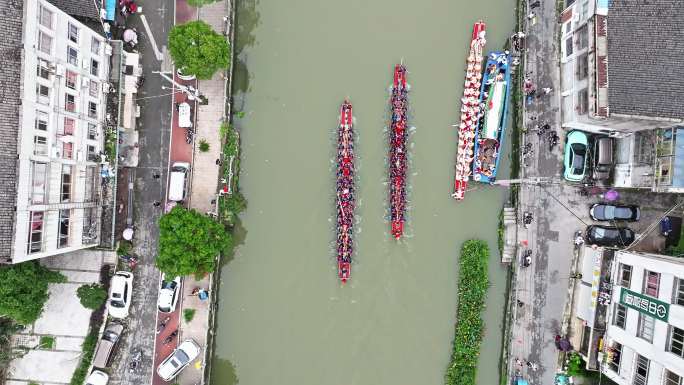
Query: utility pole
{"x":531,"y":181}
{"x":192,"y":92}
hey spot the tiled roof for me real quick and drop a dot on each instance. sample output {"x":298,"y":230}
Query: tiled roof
{"x":78,"y":8}
{"x":11,"y":30}
{"x":645,"y":67}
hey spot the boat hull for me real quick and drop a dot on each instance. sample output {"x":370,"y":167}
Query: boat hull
{"x":397,"y":159}
{"x":345,"y":196}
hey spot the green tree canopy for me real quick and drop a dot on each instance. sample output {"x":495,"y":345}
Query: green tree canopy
{"x":24,"y":290}
{"x":92,"y":296}
{"x":200,"y":3}
{"x":189,"y":242}
{"x":198,"y":49}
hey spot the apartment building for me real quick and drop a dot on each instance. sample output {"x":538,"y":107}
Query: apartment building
{"x":621,"y":77}
{"x":54,"y":72}
{"x":644,"y":338}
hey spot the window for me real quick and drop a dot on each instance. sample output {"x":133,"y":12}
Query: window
{"x":672,"y":379}
{"x":41,"y":120}
{"x":582,"y":67}
{"x":91,"y":183}
{"x":63,"y":238}
{"x":39,"y":179}
{"x":614,"y":357}
{"x":93,"y":88}
{"x":582,"y":101}
{"x":73,"y":33}
{"x":619,"y":316}
{"x":95,"y":46}
{"x":92,"y":109}
{"x":67,"y":150}
{"x":69,"y":126}
{"x":44,"y":43}
{"x":678,"y":296}
{"x":92,"y":154}
{"x":66,"y":182}
{"x":72,"y":56}
{"x":625,"y":275}
{"x":568,"y":46}
{"x":651,"y":283}
{"x":71,"y":78}
{"x":94,"y":67}
{"x":45,"y":17}
{"x":645,"y":327}
{"x":40,"y":147}
{"x":43,"y":70}
{"x":675,"y":343}
{"x":584,"y":10}
{"x":582,"y":37}
{"x":92,"y":131}
{"x":35,"y":236}
{"x":43,"y":94}
{"x":641,"y":371}
{"x":69,"y":102}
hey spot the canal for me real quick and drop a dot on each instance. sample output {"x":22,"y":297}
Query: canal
{"x":283,"y":316}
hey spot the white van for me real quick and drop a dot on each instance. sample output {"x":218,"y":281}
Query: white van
{"x":178,"y":181}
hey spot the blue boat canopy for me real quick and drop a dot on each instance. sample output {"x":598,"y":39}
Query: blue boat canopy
{"x":520,"y":381}
{"x":110,"y":8}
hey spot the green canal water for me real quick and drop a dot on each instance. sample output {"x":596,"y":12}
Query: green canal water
{"x":283,"y":316}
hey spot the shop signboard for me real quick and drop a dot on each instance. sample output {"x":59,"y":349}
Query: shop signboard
{"x":645,"y":304}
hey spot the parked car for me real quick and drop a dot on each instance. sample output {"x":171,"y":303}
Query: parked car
{"x":186,"y":352}
{"x":120,"y":293}
{"x":97,"y":378}
{"x":106,"y":344}
{"x":607,"y":212}
{"x":603,"y":159}
{"x":609,"y":236}
{"x":168,"y":294}
{"x":575,"y":157}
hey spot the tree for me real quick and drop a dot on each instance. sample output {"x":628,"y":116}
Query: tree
{"x":198,"y":49}
{"x":24,"y":290}
{"x":189,"y":243}
{"x":92,"y":296}
{"x":200,"y":3}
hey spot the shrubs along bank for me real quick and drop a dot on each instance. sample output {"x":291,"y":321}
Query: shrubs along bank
{"x":473,"y":282}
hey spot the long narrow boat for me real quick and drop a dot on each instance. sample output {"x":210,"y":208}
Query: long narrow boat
{"x":470,"y":111}
{"x":492,"y":125}
{"x":398,"y":134}
{"x":345,"y":200}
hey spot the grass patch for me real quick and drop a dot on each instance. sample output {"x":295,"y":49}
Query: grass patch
{"x":188,"y":314}
{"x":473,"y":283}
{"x":46,"y":342}
{"x":500,"y":233}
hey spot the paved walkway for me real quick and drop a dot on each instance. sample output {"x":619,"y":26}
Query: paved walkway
{"x":63,"y":318}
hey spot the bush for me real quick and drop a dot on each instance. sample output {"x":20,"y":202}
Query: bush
{"x":200,"y":3}
{"x":203,"y":145}
{"x":473,"y":283}
{"x":188,"y":314}
{"x":189,"y":243}
{"x":24,"y":290}
{"x":92,"y":296}
{"x":124,"y":248}
{"x":47,"y":342}
{"x":88,"y":348}
{"x":198,"y":49}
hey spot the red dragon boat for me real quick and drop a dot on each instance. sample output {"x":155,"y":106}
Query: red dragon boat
{"x":470,"y":111}
{"x":345,"y":192}
{"x":398,"y":134}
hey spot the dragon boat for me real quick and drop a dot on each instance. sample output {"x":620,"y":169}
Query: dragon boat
{"x":398,"y":134}
{"x":345,"y":192}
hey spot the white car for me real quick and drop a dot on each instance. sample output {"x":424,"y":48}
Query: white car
{"x":97,"y":378}
{"x":120,"y":292}
{"x":186,"y":352}
{"x":169,"y":291}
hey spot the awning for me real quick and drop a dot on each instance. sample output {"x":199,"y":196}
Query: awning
{"x":583,"y":306}
{"x":110,"y":7}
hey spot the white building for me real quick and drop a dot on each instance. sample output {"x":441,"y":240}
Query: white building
{"x":53,"y":204}
{"x":644,"y":338}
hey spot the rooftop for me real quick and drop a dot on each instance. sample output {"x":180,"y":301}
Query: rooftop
{"x":645,"y":41}
{"x":11,"y":30}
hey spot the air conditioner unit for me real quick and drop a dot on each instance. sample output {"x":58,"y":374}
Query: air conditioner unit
{"x":56,"y":152}
{"x":105,"y":88}
{"x":85,"y":64}
{"x":86,"y":83}
{"x":61,"y":70}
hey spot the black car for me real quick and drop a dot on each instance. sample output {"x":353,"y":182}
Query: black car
{"x":605,"y":212}
{"x":609,"y":236}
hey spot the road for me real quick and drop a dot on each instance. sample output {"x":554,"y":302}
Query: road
{"x":153,"y":126}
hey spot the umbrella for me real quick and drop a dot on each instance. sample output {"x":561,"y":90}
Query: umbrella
{"x":611,"y":195}
{"x":564,"y":345}
{"x":130,"y":36}
{"x":128,"y":234}
{"x":520,"y":381}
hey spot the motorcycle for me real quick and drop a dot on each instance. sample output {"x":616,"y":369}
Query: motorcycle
{"x":170,"y":337}
{"x":135,"y":361}
{"x":553,"y":140}
{"x":527,"y":219}
{"x":526,"y":258}
{"x":162,"y":324}
{"x":189,"y":136}
{"x":131,"y":260}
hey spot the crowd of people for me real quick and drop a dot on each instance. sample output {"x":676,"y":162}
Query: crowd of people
{"x":398,"y":134}
{"x":345,"y":191}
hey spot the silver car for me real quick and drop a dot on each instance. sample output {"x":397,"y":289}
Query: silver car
{"x":186,"y":352}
